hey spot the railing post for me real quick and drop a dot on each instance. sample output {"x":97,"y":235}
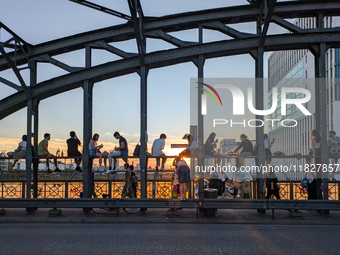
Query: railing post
{"x":87,"y":129}
{"x":201,"y":161}
{"x":143,"y":128}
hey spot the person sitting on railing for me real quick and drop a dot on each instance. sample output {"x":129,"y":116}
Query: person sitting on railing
{"x":267,"y":146}
{"x":44,"y":153}
{"x":157,"y":150}
{"x":127,"y":190}
{"x":72,"y":149}
{"x":247,"y":148}
{"x":121,"y":150}
{"x":20,"y":152}
{"x":272,"y":186}
{"x":94,"y":151}
{"x":209,"y":146}
{"x":315,"y":147}
{"x":183,"y":175}
{"x":191,"y":149}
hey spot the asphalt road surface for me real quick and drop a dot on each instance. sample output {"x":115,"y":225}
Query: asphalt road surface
{"x":16,"y":238}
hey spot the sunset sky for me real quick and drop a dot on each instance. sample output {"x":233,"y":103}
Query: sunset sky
{"x":116,"y":101}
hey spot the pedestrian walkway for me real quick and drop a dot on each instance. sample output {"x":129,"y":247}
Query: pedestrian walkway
{"x":225,"y":216}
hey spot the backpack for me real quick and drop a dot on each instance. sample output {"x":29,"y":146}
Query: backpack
{"x":136,"y":151}
{"x":304,"y":183}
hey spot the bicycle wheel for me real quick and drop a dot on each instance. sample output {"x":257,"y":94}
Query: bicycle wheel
{"x":131,"y":210}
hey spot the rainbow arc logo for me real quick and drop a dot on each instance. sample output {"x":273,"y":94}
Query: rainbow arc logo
{"x":209,"y":93}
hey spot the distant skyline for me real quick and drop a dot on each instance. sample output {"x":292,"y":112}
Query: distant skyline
{"x":116,"y":101}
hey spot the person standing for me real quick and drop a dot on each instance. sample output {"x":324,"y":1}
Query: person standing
{"x":272,"y":187}
{"x":134,"y":180}
{"x":127,"y":190}
{"x":120,"y":151}
{"x":72,"y":149}
{"x":183,"y":175}
{"x":333,"y":144}
{"x":267,"y":146}
{"x":157,"y":151}
{"x":247,"y":148}
{"x":44,"y":153}
{"x":315,"y":147}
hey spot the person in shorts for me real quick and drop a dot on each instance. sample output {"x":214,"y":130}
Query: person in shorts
{"x":20,"y":152}
{"x":72,"y":149}
{"x":44,"y":153}
{"x":183,"y":175}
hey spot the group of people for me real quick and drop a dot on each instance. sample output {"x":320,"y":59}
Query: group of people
{"x":182,"y":169}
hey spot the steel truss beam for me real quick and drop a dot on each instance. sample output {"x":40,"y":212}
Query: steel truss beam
{"x":102,"y":9}
{"x":165,"y":58}
{"x":178,"y":22}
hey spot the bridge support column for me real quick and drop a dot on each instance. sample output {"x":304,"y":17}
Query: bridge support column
{"x":201,"y":154}
{"x":87,"y":131}
{"x":321,"y":112}
{"x":143,"y":128}
{"x":259,"y":97}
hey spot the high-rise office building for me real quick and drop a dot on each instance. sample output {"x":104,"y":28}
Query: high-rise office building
{"x":295,"y":68}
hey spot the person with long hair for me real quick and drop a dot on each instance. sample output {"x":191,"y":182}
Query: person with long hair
{"x":315,"y":147}
{"x":95,"y":150}
{"x":209,"y":146}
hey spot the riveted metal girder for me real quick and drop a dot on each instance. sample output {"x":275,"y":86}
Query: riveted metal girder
{"x":166,"y":58}
{"x":177,"y":22}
